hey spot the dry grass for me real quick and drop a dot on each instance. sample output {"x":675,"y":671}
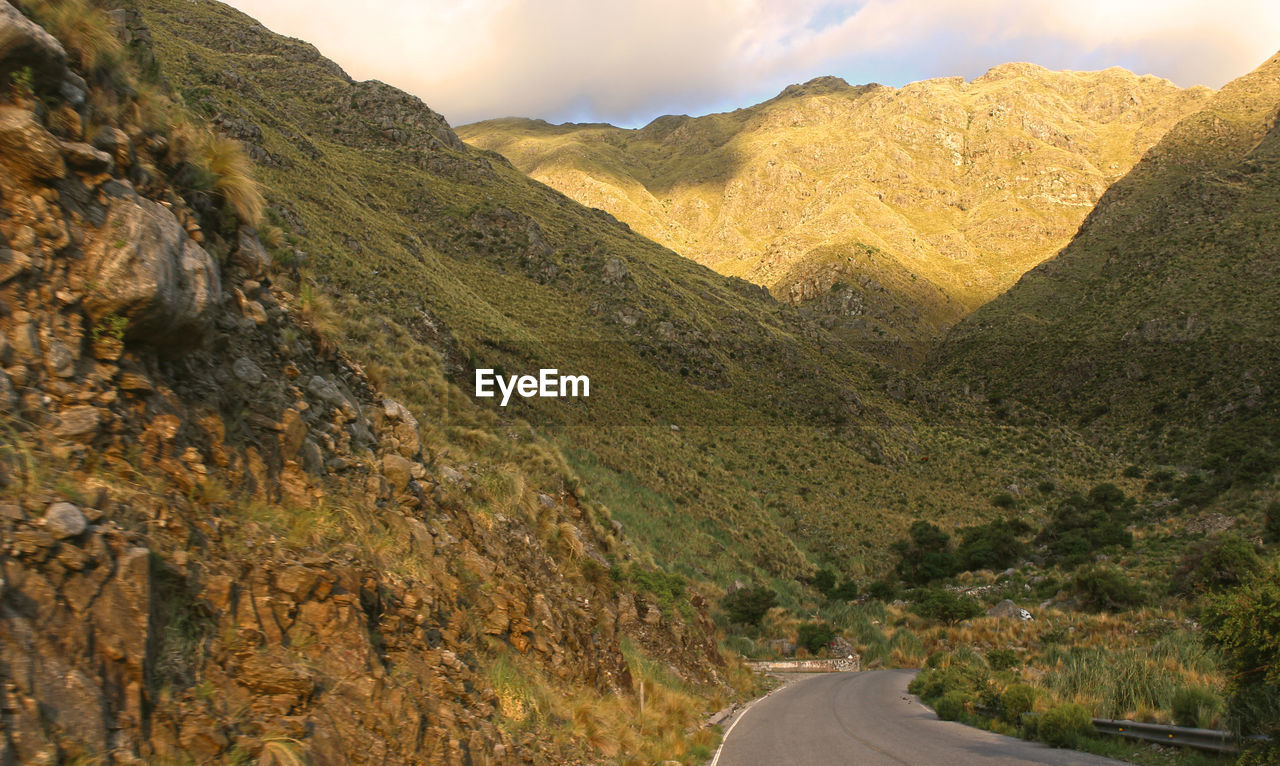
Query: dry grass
{"x":82,"y":27}
{"x":233,"y":177}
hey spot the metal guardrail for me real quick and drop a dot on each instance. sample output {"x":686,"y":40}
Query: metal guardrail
{"x":1211,"y":740}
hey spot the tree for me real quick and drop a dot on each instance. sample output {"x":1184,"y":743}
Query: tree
{"x":814,"y":636}
{"x":1103,"y":588}
{"x":926,"y":555}
{"x":1244,"y":623}
{"x":747,"y":606}
{"x":945,"y":606}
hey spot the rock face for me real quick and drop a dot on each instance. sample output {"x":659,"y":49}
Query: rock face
{"x":238,"y":552}
{"x":23,"y":43}
{"x":148,"y":271}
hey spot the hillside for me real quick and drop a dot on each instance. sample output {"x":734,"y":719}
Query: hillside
{"x":220,"y":540}
{"x":894,"y":212}
{"x":729,"y":435}
{"x":1155,"y":330}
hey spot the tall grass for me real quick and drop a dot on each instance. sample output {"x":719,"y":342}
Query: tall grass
{"x":82,"y":27}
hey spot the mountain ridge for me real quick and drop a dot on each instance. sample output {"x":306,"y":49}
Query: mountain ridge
{"x":958,"y":186}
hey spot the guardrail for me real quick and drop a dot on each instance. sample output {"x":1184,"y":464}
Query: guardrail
{"x":1210,"y":740}
{"x":838,"y":665}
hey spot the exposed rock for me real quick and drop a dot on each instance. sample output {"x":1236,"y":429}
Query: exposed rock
{"x":1005,"y":608}
{"x":615,"y":271}
{"x":248,"y":372}
{"x":78,"y":422}
{"x":64,"y":520}
{"x":82,"y":156}
{"x":144,"y":267}
{"x":12,"y":263}
{"x":28,"y":150}
{"x":250,"y":255}
{"x":23,"y":43}
{"x":398,"y":470}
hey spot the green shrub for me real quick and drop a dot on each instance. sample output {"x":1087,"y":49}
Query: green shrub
{"x":845,"y":591}
{"x":945,"y":606}
{"x":882,"y":590}
{"x":926,"y":555}
{"x":747,"y":606}
{"x":1196,"y":706}
{"x":1245,"y":625}
{"x":1017,"y":700}
{"x":824,"y":581}
{"x":1271,"y":526}
{"x":1103,"y":588}
{"x":1214,"y":565}
{"x":1064,"y":725}
{"x":992,"y":546}
{"x":1003,"y":659}
{"x":1084,"y":524}
{"x":814,"y":636}
{"x":951,"y":706}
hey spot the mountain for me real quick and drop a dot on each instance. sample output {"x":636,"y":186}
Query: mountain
{"x":892,"y":211}
{"x":1155,"y":329}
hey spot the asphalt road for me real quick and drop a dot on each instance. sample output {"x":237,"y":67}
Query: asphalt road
{"x":869,"y":719}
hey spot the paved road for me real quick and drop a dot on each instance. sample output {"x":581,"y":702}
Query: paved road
{"x":869,"y":719}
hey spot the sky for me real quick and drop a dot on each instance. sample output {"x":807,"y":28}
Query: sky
{"x":628,"y":62}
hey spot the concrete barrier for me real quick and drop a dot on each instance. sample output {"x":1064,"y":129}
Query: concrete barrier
{"x":838,"y":665}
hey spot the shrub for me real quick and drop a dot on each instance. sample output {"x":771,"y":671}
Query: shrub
{"x":1271,"y":526}
{"x":845,"y":591}
{"x":1103,"y":588}
{"x":814,"y":636}
{"x":992,"y":546}
{"x":951,"y":706}
{"x":1003,"y":659}
{"x":824,"y":581}
{"x":1017,"y":700}
{"x":747,"y":606}
{"x":1245,"y":625}
{"x":882,"y":590}
{"x":1196,"y":706}
{"x":945,"y":606}
{"x":1217,"y":564}
{"x":1064,"y":725}
{"x":926,"y":555}
{"x":1003,"y":500}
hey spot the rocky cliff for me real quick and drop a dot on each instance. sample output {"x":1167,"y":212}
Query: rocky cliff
{"x":219,"y":541}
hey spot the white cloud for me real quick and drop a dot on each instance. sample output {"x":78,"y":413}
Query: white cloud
{"x":629,"y":61}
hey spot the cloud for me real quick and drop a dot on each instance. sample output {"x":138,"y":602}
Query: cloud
{"x":626,"y":62}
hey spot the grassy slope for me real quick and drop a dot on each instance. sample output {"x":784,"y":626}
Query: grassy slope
{"x":926,"y":200}
{"x":791,"y":447}
{"x":1156,"y":327}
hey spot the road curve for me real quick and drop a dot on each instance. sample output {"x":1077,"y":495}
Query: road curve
{"x":869,"y":719}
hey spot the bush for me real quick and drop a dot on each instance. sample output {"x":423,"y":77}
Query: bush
{"x":926,"y":555}
{"x":951,"y":706}
{"x":945,"y":606}
{"x":1271,"y":526}
{"x":1245,"y":625}
{"x":1017,"y":700}
{"x":1102,"y":588}
{"x":1196,"y":706}
{"x":747,"y":606}
{"x":824,"y":581}
{"x":882,"y":590}
{"x":992,"y":546}
{"x":1082,"y":525}
{"x":1003,"y":659}
{"x":845,"y":591}
{"x":1064,"y":725}
{"x":814,"y":636}
{"x":1219,"y":564}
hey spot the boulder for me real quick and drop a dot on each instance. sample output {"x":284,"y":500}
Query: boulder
{"x":24,"y":43}
{"x":250,"y":256}
{"x":248,"y":372}
{"x":63,"y":520}
{"x":142,"y":266}
{"x":1005,"y":608}
{"x":28,"y":150}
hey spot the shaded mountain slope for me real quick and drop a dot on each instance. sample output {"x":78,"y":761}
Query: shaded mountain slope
{"x":909,"y":206}
{"x":1155,"y":329}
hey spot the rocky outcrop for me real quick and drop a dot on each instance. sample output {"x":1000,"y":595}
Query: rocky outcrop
{"x":23,"y":43}
{"x":239,"y":548}
{"x":147,"y":270}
